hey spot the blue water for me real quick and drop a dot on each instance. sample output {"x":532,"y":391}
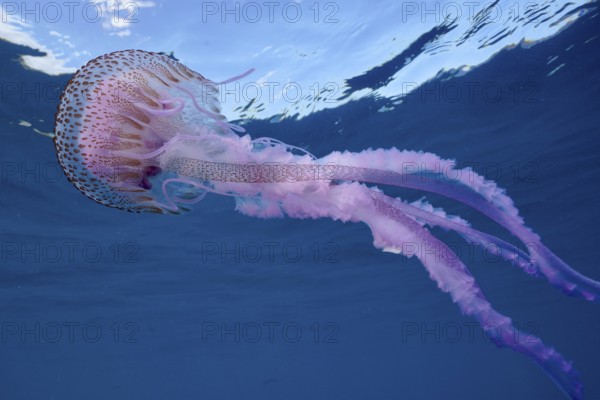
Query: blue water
{"x":97,"y":303}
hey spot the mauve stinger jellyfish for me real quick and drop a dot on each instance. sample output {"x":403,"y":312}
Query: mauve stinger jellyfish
{"x":141,"y":132}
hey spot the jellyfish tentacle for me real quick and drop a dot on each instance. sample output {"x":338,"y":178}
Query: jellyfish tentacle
{"x":418,"y":170}
{"x":237,"y":77}
{"x":505,"y":250}
{"x":395,"y":231}
{"x":453,"y":277}
{"x":152,"y":154}
{"x":179,"y":105}
{"x":218,"y":118}
{"x":205,"y":189}
{"x":469,"y":188}
{"x":171,"y":199}
{"x":558,"y":273}
{"x":267,"y":141}
{"x":195,"y":200}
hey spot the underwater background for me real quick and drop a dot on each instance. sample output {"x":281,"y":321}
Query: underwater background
{"x":98,"y":303}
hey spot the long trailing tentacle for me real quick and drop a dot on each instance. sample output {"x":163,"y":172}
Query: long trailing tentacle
{"x":453,"y":277}
{"x":395,"y":229}
{"x":425,"y":171}
{"x":500,"y":247}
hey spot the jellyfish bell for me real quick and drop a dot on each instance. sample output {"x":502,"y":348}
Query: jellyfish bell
{"x":141,"y":132}
{"x":123,"y":106}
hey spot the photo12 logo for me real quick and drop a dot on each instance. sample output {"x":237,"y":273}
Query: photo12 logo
{"x":52,"y":12}
{"x":269,"y":332}
{"x":68,"y":252}
{"x":465,"y":332}
{"x":70,"y":332}
{"x":269,"y":252}
{"x":270,"y":12}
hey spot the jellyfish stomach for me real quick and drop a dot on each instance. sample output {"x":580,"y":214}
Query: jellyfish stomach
{"x":253,"y":178}
{"x":233,"y":166}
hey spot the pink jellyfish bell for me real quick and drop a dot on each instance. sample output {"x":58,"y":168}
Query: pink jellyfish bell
{"x":115,"y":116}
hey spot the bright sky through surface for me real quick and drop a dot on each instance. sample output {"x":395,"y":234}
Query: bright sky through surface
{"x":299,"y":49}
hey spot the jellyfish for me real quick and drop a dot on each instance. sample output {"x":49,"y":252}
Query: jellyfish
{"x":141,"y":132}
